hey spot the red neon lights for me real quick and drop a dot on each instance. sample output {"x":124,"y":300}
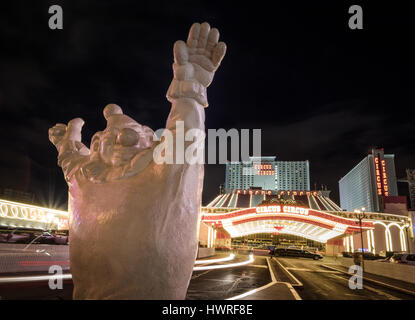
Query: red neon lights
{"x":282,"y":192}
{"x":278,"y":228}
{"x":321,"y":224}
{"x":285,"y":209}
{"x":378,"y":178}
{"x":385,"y":179}
{"x":264,"y":169}
{"x":381,"y":177}
{"x":240,"y":215}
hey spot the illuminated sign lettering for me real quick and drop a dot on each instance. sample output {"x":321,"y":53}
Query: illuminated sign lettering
{"x":264,"y":169}
{"x":385,"y":179}
{"x":381,"y":177}
{"x":378,"y":178}
{"x":281,"y":209}
{"x":254,"y":191}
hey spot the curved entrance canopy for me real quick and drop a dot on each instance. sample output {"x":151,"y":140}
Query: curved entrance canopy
{"x":308,"y":223}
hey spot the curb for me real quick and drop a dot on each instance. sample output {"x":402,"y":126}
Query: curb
{"x":412,"y":293}
{"x":297,"y":283}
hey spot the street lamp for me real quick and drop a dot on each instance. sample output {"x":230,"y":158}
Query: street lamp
{"x":360,"y":214}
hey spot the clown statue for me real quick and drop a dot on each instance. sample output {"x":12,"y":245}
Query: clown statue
{"x":134,"y":220}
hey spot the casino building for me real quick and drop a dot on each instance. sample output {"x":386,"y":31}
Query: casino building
{"x":370,"y":184}
{"x":268,"y":173}
{"x":257,"y":217}
{"x":308,"y":219}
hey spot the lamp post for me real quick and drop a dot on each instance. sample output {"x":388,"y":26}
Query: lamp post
{"x":360,"y":214}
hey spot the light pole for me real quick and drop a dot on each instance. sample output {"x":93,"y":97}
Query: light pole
{"x":360,"y":214}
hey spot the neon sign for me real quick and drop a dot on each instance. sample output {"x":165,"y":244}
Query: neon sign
{"x":269,"y":192}
{"x":384,"y":179}
{"x":378,"y":177}
{"x":381,"y":177}
{"x":282,"y":209}
{"x":264,"y":169}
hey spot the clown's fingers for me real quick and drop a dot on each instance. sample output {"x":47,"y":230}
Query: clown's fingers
{"x":74,"y":131}
{"x":57,"y":132}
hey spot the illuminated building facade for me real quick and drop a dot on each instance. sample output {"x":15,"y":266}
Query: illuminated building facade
{"x":258,"y":172}
{"x":24,"y":216}
{"x":306,"y":215}
{"x":293,"y":175}
{"x":268,"y":174}
{"x":368,"y":184}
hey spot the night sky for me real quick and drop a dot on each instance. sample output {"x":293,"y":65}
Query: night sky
{"x":318,"y":90}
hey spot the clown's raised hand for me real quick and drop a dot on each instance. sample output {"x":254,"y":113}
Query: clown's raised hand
{"x":116,"y":187}
{"x":195,"y":63}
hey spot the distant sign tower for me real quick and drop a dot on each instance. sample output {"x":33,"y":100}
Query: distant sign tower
{"x":369,"y":183}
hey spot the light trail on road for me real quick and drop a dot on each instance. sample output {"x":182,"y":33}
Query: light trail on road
{"x":230,"y":257}
{"x":229,"y":265}
{"x":69,"y":276}
{"x":35,"y":278}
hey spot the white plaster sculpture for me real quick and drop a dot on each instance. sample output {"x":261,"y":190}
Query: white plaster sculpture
{"x":133,"y":222}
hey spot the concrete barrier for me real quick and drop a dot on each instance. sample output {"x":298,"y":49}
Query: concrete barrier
{"x":205,"y":252}
{"x":391,"y":270}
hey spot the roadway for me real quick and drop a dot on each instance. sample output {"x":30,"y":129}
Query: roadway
{"x":221,"y":284}
{"x":320,"y":283}
{"x":213,"y":284}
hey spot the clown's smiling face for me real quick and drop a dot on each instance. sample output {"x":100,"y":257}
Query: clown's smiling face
{"x":119,"y":146}
{"x":121,"y":141}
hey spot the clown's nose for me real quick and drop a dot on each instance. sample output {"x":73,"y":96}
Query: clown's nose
{"x":127,"y":137}
{"x":111,"y":109}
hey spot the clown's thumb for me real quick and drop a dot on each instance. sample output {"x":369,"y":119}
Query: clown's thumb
{"x":74,"y":129}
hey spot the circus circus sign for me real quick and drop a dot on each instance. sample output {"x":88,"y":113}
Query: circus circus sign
{"x":284,"y":209}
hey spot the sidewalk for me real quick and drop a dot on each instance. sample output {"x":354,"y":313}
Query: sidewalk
{"x":380,"y":280}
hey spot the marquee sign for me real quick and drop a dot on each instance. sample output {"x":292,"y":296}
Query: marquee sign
{"x":384,"y":178}
{"x":239,"y":191}
{"x":281,"y":192}
{"x":264,"y":170}
{"x":382,"y":186}
{"x":309,"y":223}
{"x":285,"y":209}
